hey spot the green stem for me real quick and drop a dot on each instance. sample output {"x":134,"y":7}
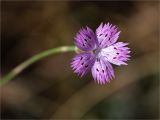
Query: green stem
{"x":34,"y":59}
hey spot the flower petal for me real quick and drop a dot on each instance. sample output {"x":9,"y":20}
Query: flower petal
{"x":102,"y":71}
{"x":82,"y":63}
{"x":107,"y":35}
{"x":86,"y":39}
{"x":117,"y":53}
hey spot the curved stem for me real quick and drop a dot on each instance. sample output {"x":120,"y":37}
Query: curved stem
{"x":34,"y":59}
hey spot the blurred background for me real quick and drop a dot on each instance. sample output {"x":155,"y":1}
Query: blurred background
{"x":49,"y":89}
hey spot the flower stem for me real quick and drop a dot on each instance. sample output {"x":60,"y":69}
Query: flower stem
{"x":13,"y":73}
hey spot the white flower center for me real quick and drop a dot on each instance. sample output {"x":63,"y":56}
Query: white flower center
{"x":108,"y":52}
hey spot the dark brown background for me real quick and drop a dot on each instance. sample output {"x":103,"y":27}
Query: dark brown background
{"x":49,"y":89}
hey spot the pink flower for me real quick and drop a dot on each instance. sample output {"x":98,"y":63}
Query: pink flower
{"x":99,"y":50}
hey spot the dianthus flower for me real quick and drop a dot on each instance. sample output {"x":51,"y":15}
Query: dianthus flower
{"x":99,"y":50}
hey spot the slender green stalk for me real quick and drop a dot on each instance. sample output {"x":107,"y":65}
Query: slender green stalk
{"x":34,"y":59}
